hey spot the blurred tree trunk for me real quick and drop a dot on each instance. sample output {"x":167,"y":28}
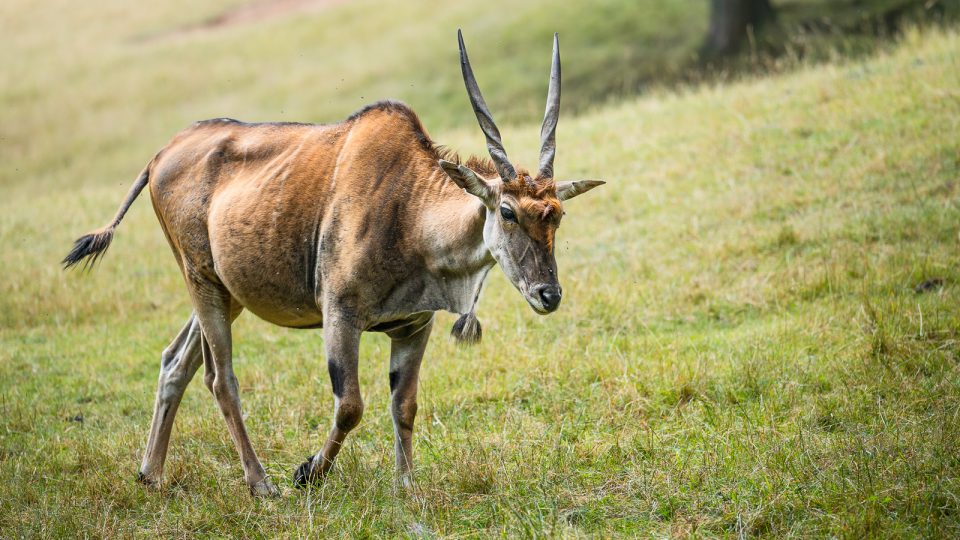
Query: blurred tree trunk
{"x":730,"y":22}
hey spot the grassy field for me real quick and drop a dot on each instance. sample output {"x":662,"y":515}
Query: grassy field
{"x":741,"y":350}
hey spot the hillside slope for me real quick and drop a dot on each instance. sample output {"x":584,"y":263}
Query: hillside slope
{"x":114,"y":82}
{"x":741,"y":349}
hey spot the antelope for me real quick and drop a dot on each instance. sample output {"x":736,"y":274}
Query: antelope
{"x":365,"y":225}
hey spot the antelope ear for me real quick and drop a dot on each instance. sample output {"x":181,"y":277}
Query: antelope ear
{"x":470,"y":181}
{"x":572,"y":188}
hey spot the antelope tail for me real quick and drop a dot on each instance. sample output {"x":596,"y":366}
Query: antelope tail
{"x":94,"y":244}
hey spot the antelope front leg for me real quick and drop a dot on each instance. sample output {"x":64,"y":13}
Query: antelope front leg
{"x":406,"y":352}
{"x":342,"y":345}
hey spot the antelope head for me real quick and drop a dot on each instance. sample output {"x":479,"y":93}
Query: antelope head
{"x":523,"y":211}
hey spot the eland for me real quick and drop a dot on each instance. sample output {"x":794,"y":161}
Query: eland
{"x":365,"y":225}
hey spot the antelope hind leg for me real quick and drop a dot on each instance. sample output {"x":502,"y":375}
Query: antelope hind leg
{"x":178,"y":364}
{"x":212,"y":304}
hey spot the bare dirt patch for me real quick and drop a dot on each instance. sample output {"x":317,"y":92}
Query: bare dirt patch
{"x":266,"y":9}
{"x":251,"y":12}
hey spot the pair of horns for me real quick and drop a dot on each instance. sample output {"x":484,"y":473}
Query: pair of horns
{"x":548,"y":132}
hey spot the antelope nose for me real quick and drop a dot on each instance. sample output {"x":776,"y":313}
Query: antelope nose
{"x":550,"y":296}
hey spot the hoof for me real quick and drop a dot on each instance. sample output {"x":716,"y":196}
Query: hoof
{"x":146,"y":480}
{"x":301,"y":477}
{"x":264,"y":488}
{"x":408,"y":488}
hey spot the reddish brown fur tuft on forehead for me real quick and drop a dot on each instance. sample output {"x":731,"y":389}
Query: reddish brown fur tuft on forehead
{"x":537,"y":199}
{"x":537,"y":196}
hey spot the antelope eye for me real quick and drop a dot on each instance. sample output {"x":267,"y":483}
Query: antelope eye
{"x":507,"y":213}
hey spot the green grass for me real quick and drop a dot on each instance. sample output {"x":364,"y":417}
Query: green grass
{"x":740,"y":350}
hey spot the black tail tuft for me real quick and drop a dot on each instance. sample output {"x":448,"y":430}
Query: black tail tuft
{"x":90,"y":247}
{"x":93,"y":245}
{"x":467,"y":331}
